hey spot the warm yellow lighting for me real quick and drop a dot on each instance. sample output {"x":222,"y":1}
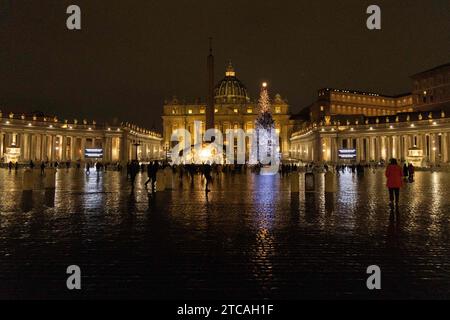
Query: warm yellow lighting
{"x":205,"y":154}
{"x":249,"y":111}
{"x":190,"y":111}
{"x":235,"y":110}
{"x":264,"y":84}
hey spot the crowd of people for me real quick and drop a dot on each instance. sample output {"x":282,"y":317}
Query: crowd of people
{"x":396,"y":175}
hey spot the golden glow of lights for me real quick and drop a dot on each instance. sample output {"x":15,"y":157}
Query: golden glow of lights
{"x":205,"y":154}
{"x":264,"y":84}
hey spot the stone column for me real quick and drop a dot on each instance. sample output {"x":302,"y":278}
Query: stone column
{"x":73,"y":148}
{"x":433,"y":148}
{"x":383,"y":148}
{"x":64,"y":148}
{"x":2,"y":137}
{"x":83,"y":147}
{"x":20,"y":142}
{"x":444,"y":147}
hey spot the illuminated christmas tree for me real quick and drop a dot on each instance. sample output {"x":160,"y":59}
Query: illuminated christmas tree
{"x":266,"y":139}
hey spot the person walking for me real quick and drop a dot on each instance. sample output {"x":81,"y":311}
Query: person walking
{"x":394,"y":177}
{"x":152,"y":169}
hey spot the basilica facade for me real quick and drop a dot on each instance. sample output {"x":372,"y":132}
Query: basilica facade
{"x":233,"y":109}
{"x":37,"y":137}
{"x":346,"y":125}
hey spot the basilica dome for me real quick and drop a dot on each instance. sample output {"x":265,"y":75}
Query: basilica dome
{"x":230,"y":89}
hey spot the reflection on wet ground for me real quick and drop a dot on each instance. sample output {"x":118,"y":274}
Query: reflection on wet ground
{"x":250,"y":238}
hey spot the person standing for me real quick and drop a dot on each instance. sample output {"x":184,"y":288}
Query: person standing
{"x":134,"y":170}
{"x":411,"y":172}
{"x":405,"y":171}
{"x":206,"y":169}
{"x":42,"y":168}
{"x":394,"y":177}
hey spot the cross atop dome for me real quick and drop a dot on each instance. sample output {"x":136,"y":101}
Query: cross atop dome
{"x":230,"y":70}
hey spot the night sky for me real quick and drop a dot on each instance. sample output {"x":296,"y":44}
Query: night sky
{"x":132,"y":55}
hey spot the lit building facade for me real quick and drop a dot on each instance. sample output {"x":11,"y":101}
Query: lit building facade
{"x":233,"y":109}
{"x":372,"y":127}
{"x":42,"y":138}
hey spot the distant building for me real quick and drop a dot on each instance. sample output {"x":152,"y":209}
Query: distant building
{"x":39,"y":137}
{"x":233,"y":109}
{"x":431,"y":89}
{"x":350,"y":126}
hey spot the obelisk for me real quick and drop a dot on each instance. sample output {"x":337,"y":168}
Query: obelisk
{"x":210,"y":96}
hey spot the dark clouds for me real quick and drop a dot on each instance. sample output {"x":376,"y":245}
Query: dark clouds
{"x":131,"y":55}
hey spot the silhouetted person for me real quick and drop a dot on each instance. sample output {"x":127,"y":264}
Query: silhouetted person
{"x":152,"y":170}
{"x":88,"y":168}
{"x":405,"y":171}
{"x":411,"y":171}
{"x":31,"y":164}
{"x":10,"y":165}
{"x":206,"y":169}
{"x":134,"y":169}
{"x":394,"y":181}
{"x":42,"y":168}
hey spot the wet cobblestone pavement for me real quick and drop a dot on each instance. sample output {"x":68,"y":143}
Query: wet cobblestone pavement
{"x":249,"y":239}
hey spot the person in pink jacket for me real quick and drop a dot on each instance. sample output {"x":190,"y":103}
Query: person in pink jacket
{"x":394,"y":177}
